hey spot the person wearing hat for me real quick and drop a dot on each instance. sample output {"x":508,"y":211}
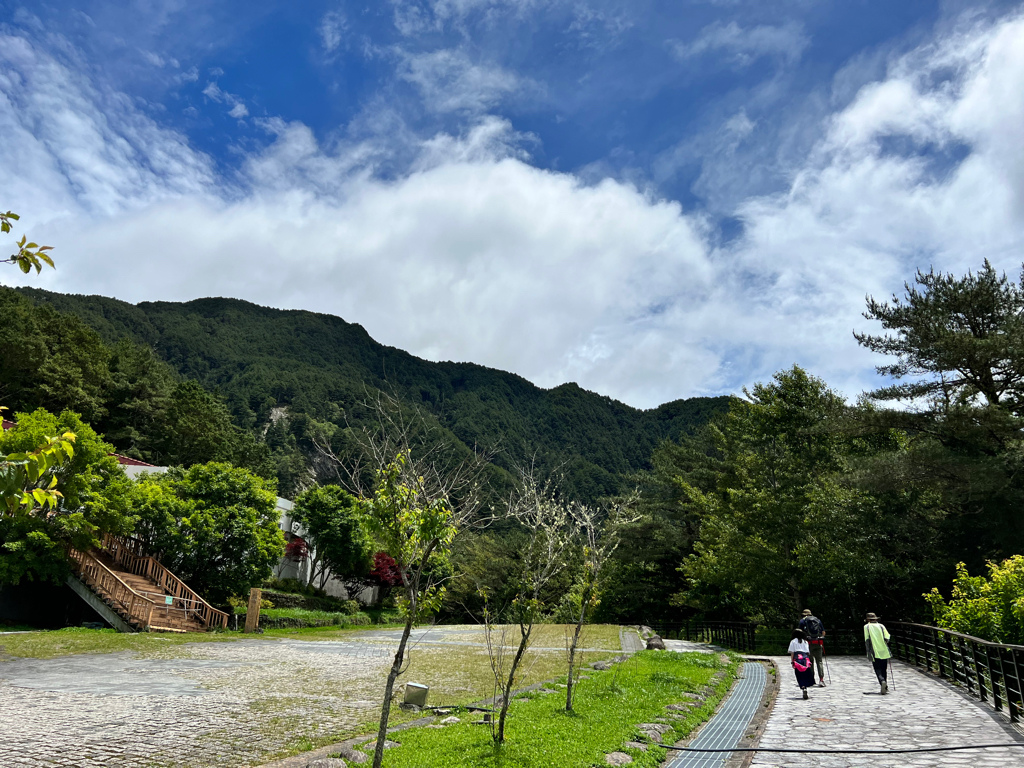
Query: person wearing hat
{"x":876,"y":641}
{"x":815,"y":632}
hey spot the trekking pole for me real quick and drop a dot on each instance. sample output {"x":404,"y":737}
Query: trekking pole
{"x":827,"y":670}
{"x":892,"y":677}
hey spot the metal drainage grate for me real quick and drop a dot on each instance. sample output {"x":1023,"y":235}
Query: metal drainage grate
{"x":727,"y":727}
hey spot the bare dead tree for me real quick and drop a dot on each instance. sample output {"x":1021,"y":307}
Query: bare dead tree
{"x":599,"y":529}
{"x":550,"y":527}
{"x":419,"y":492}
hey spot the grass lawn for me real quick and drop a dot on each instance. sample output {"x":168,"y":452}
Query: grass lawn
{"x":539,"y":733}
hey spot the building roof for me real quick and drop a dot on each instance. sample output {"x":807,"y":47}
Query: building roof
{"x":127,"y":461}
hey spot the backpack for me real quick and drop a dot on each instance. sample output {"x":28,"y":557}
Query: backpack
{"x":814,"y":627}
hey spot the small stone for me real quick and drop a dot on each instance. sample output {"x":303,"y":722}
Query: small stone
{"x":635,"y":745}
{"x":659,"y":727}
{"x":450,"y":720}
{"x":652,"y":736}
{"x":354,"y":755}
{"x":678,"y":707}
{"x":328,"y":762}
{"x":618,"y":758}
{"x":655,"y":643}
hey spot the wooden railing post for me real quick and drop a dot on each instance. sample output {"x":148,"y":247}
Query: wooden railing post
{"x":252,"y":616}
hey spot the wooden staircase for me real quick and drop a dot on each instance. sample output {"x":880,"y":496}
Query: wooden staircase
{"x":145,"y":595}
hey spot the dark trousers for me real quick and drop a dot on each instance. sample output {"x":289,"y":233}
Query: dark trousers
{"x":817,"y":653}
{"x":881,"y":669}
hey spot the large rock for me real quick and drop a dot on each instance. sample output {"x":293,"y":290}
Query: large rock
{"x":618,"y":758}
{"x":655,"y":643}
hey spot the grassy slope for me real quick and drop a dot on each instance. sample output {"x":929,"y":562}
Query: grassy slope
{"x":608,"y":708}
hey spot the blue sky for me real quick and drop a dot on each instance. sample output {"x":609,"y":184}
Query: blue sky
{"x":655,"y":200}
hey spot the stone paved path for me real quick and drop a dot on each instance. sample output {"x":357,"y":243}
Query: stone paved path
{"x":921,"y":712}
{"x":205,"y":704}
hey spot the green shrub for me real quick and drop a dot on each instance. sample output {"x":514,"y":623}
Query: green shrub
{"x":990,"y":608}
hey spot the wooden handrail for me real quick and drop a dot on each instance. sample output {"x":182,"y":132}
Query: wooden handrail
{"x":98,"y":577}
{"x":130,"y":554}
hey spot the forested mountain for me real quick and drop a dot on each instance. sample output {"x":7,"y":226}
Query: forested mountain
{"x":286,"y":374}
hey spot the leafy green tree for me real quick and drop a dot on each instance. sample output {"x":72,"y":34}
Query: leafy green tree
{"x":416,"y":525}
{"x":991,"y":608}
{"x":959,"y":340}
{"x":137,"y":399}
{"x":214,"y":525}
{"x":51,"y":360}
{"x":92,"y":497}
{"x":335,"y":525}
{"x":29,"y":256}
{"x":754,"y":525}
{"x":785,"y":523}
{"x":955,"y":344}
{"x":643,"y":573}
{"x":199,"y":428}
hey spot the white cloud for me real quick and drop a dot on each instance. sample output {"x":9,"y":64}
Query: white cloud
{"x":214,"y":92}
{"x":450,"y":82}
{"x":742,"y":46}
{"x":924,"y":167}
{"x":333,"y":26}
{"x":71,"y":147}
{"x":470,"y":253}
{"x":413,"y":17}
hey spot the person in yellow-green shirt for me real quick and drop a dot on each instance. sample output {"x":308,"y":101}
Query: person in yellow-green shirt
{"x":876,"y":641}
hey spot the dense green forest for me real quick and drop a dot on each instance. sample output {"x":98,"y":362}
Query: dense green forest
{"x":748,"y":508}
{"x":287,"y":377}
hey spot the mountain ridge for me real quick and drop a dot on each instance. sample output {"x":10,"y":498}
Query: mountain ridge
{"x":261,"y":358}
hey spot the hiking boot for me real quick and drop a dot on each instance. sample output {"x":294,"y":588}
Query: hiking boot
{"x":821,"y":683}
{"x":805,"y":693}
{"x":885,"y":688}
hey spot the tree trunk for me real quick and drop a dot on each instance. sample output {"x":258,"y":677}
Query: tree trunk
{"x":506,"y":699}
{"x":396,"y":669}
{"x":572,"y":648}
{"x":572,"y":660}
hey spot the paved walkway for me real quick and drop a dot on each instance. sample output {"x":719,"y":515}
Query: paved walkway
{"x":922,"y":711}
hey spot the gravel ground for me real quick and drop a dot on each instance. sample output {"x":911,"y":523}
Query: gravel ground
{"x":210,"y":704}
